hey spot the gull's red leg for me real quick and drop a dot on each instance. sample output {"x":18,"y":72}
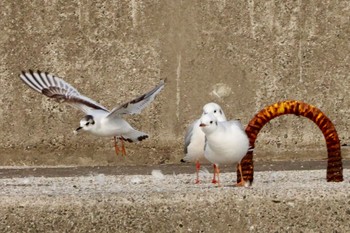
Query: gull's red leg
{"x":198,"y":166}
{"x":116,"y":146}
{"x":242,"y":182}
{"x":123,"y":147}
{"x":218,"y":174}
{"x":214,"y":181}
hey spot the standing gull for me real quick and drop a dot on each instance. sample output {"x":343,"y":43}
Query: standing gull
{"x":226,"y":143}
{"x":195,"y":138}
{"x":97,"y":120}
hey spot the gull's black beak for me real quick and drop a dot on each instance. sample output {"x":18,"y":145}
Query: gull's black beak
{"x":79,"y":128}
{"x":202,"y":125}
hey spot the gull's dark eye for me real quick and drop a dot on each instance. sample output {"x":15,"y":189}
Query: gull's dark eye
{"x":214,"y":111}
{"x":211,"y":122}
{"x":92,"y":122}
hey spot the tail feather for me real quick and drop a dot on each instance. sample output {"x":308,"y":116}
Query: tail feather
{"x":134,"y":136}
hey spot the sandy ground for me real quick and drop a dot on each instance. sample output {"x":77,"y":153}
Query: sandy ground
{"x":278,"y":201}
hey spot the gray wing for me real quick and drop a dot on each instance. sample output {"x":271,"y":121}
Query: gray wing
{"x":135,"y":106}
{"x":54,"y":87}
{"x":237,"y":123}
{"x":205,"y":143}
{"x":188,"y":136}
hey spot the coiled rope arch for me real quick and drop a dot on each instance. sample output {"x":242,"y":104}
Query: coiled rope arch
{"x":334,"y":166}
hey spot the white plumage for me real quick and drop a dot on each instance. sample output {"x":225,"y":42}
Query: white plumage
{"x":226,"y":142}
{"x":98,"y":119}
{"x":195,"y":138}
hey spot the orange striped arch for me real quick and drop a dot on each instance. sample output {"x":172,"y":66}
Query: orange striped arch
{"x":334,"y":166}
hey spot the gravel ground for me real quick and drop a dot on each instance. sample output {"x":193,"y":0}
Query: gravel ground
{"x":278,"y":201}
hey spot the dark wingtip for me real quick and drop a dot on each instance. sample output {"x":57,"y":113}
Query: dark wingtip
{"x":182,"y":161}
{"x":142,"y":137}
{"x":32,"y":72}
{"x":126,"y":139}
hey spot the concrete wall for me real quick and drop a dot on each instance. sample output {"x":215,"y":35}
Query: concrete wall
{"x":243,"y":55}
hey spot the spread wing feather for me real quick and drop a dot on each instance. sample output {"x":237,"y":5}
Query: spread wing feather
{"x":54,"y":87}
{"x":135,"y":106}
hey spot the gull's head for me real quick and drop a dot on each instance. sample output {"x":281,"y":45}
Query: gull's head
{"x":214,"y":109}
{"x":87,"y":123}
{"x":208,"y":123}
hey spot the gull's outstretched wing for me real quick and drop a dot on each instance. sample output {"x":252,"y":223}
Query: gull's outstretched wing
{"x":54,"y":87}
{"x":135,"y":106}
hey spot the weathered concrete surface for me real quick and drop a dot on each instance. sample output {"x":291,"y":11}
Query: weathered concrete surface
{"x":284,"y":201}
{"x":243,"y":55}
